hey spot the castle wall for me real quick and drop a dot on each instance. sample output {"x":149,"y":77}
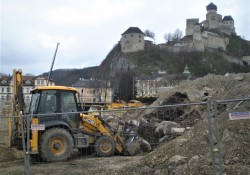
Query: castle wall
{"x":213,"y":40}
{"x":132,"y":42}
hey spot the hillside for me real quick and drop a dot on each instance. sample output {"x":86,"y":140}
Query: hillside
{"x":67,"y":77}
{"x":155,"y":58}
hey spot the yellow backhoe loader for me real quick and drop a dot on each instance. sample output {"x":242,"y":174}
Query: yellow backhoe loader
{"x":57,"y":125}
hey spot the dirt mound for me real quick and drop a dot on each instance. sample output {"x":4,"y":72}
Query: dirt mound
{"x":190,"y":152}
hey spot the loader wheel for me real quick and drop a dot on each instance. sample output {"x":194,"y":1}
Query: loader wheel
{"x":56,"y":145}
{"x":105,"y":146}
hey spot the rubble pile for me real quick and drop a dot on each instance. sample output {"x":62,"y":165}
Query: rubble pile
{"x":181,"y":141}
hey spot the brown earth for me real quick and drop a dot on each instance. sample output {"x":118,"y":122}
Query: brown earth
{"x":182,"y":155}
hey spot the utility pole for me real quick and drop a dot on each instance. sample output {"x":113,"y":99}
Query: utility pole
{"x":52,"y":64}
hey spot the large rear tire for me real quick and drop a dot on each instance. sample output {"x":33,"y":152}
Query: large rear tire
{"x":105,"y":146}
{"x":56,"y":144}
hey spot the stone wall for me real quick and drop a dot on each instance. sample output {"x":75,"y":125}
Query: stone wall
{"x":213,"y":40}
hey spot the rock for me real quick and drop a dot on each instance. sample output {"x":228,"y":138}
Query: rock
{"x":143,"y":120}
{"x":164,"y":128}
{"x":177,"y":131}
{"x":194,"y":161}
{"x":18,"y":154}
{"x":177,"y":160}
{"x":168,"y":126}
{"x":193,"y":94}
{"x":239,"y":78}
{"x":146,"y":147}
{"x":165,"y":138}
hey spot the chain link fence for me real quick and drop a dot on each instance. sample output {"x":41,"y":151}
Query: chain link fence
{"x":158,"y":126}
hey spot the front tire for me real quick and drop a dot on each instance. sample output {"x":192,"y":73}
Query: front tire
{"x":56,"y":144}
{"x":105,"y":146}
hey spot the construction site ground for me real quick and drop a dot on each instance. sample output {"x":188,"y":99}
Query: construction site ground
{"x":186,"y":154}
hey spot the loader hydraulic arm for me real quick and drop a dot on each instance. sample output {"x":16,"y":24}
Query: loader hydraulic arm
{"x":18,"y":101}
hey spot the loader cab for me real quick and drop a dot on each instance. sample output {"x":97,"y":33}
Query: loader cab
{"x":58,"y":103}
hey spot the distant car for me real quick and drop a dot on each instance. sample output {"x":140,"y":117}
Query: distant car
{"x":134,"y":104}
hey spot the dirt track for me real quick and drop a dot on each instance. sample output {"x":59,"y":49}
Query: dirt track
{"x":84,"y":165}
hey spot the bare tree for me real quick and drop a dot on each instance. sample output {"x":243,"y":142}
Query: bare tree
{"x":168,"y":37}
{"x":150,"y":34}
{"x":176,"y":36}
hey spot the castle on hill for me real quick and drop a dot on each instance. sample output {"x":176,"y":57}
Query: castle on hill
{"x":211,"y":33}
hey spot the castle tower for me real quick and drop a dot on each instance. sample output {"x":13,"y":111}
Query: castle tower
{"x":228,"y":24}
{"x":212,"y":18}
{"x":132,"y":40}
{"x":190,"y":25}
{"x":197,"y":38}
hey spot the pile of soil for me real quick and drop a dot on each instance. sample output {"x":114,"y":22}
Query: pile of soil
{"x":190,"y":152}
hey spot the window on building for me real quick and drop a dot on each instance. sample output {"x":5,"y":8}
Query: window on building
{"x":42,"y":82}
{"x":28,"y":90}
{"x":139,"y":36}
{"x":131,"y":35}
{"x":8,"y":89}
{"x":124,"y":36}
{"x":2,"y":89}
{"x":38,"y":81}
{"x":139,"y":41}
{"x":2,"y":98}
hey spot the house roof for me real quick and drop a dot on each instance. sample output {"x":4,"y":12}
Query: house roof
{"x":227,"y":18}
{"x":133,"y":30}
{"x":27,"y":80}
{"x":43,"y":77}
{"x":211,"y":6}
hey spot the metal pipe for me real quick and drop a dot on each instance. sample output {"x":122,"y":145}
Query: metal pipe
{"x":52,"y":64}
{"x":218,"y":137}
{"x":211,"y":137}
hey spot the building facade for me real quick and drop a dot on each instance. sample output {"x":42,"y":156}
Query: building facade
{"x":93,"y":91}
{"x":29,"y":83}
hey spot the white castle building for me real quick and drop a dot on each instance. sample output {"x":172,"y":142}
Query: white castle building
{"x":132,"y":40}
{"x":210,"y":33}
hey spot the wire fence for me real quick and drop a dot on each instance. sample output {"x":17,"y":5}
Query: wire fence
{"x":231,"y":129}
{"x":155,"y":126}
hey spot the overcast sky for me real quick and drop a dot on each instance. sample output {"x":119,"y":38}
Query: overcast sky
{"x":88,"y":29}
